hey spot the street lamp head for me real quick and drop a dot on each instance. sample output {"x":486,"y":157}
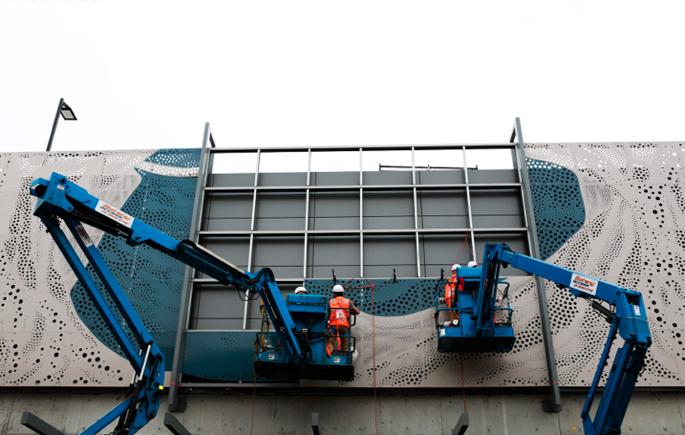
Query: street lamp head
{"x":66,"y":112}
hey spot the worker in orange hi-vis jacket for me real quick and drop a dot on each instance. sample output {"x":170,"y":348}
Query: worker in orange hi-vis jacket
{"x":452,"y":286}
{"x":340,"y":308}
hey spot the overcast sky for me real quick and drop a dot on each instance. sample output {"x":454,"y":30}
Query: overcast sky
{"x":149,"y":74}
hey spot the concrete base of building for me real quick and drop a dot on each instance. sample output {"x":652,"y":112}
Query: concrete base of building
{"x":393,"y":412}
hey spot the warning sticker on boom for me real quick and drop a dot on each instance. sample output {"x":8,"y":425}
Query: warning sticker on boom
{"x":584,"y":284}
{"x":114,"y":213}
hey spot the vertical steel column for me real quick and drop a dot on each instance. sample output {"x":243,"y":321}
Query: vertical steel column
{"x":554,"y":403}
{"x":54,"y":125}
{"x":175,"y":404}
{"x":306,"y":214}
{"x":361,"y":213}
{"x":252,"y":225}
{"x":468,"y":206}
{"x":416,"y":213}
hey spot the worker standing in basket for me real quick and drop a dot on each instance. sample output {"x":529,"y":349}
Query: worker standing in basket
{"x":340,"y":308}
{"x":453,"y":285}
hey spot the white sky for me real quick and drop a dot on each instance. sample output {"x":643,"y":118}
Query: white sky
{"x":149,"y":74}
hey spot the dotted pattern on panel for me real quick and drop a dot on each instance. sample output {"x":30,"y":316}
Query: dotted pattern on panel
{"x":399,"y":298}
{"x":558,"y":204}
{"x":43,"y":341}
{"x":405,"y":346}
{"x":633,"y":235}
{"x":152,"y":280}
{"x":176,"y":158}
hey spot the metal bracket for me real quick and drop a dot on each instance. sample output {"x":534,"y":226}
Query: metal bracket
{"x":175,"y":426}
{"x":315,"y":424}
{"x":462,"y":424}
{"x":39,"y":425}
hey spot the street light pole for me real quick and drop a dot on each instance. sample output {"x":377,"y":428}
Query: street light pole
{"x":54,"y":123}
{"x":66,"y":113}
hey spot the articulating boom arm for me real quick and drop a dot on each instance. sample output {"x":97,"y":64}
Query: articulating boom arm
{"x":59,"y":198}
{"x":627,"y":316}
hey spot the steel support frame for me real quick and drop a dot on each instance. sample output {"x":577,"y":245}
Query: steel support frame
{"x":175,"y":404}
{"x":554,"y":403}
{"x":468,"y":206}
{"x":250,"y":249}
{"x":361,"y":232}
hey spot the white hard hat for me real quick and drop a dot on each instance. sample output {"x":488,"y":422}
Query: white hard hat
{"x":338,"y":289}
{"x":472,"y":264}
{"x":455,"y":267}
{"x":300,"y":289}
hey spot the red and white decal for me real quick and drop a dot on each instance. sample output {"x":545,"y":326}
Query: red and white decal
{"x":114,"y":213}
{"x":584,"y":284}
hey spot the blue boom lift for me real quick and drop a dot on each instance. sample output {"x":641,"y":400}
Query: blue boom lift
{"x":484,"y":325}
{"x":295,"y":347}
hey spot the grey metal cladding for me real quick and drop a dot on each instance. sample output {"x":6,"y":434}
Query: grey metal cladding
{"x":280,"y":211}
{"x":439,"y":177}
{"x":334,"y":210}
{"x":228,"y":212}
{"x":334,"y":178}
{"x":496,"y":208}
{"x":442,"y":209}
{"x":387,"y":177}
{"x":492,"y":176}
{"x":388,"y":209}
{"x":282,"y":179}
{"x":230,"y":180}
{"x":282,"y":254}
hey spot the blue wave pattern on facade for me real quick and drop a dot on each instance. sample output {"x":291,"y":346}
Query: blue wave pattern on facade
{"x":224,"y":356}
{"x":152,"y":280}
{"x":176,"y":157}
{"x":557,"y":202}
{"x":391,"y":298}
{"x":227,"y":356}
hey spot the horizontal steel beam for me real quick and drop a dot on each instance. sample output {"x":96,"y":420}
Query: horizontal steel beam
{"x":365,"y":231}
{"x":355,"y":187}
{"x":397,"y":147}
{"x":213,"y":282}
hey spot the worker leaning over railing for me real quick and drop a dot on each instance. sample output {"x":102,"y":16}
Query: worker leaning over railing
{"x":453,"y":286}
{"x":340,"y":308}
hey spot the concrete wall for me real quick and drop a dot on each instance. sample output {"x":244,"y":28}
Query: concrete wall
{"x":403,"y":412}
